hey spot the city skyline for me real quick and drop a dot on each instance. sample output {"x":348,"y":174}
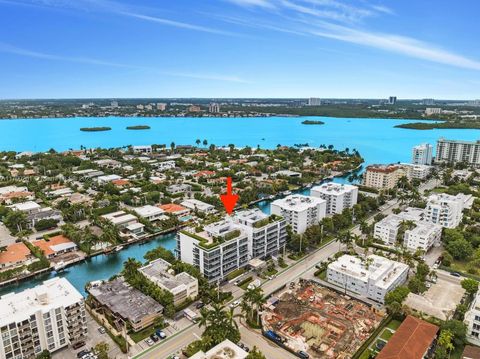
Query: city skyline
{"x":238,"y":48}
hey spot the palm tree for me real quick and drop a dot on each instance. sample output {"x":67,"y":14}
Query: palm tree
{"x":205,"y":143}
{"x":198,"y":141}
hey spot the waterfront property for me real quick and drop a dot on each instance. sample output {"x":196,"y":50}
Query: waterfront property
{"x":123,"y":305}
{"x":196,"y":205}
{"x":49,"y":317}
{"x":217,"y":249}
{"x":150,"y":213}
{"x":267,"y":235}
{"x":372,"y":277}
{"x":455,"y":151}
{"x":338,"y":196}
{"x":182,"y":285}
{"x":15,"y":255}
{"x":382,"y":176}
{"x":422,"y":154}
{"x":300,"y":211}
{"x":55,"y":246}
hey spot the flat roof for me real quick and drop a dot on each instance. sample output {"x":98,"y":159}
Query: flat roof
{"x":298,"y":202}
{"x":148,"y":210}
{"x":25,"y":206}
{"x":332,"y":188}
{"x":53,"y":293}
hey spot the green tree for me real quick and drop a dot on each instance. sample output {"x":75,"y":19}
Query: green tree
{"x":470,"y":285}
{"x":460,"y":249}
{"x":255,"y":354}
{"x":101,"y":350}
{"x":44,"y":355}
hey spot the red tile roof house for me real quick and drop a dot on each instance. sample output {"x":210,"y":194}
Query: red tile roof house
{"x":55,"y":246}
{"x":414,"y":339}
{"x":15,"y":255}
{"x":174,"y":209}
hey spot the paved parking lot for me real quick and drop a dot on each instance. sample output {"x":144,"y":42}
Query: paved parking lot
{"x":94,"y":337}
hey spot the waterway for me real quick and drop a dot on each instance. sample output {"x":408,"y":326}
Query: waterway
{"x":377,"y":140}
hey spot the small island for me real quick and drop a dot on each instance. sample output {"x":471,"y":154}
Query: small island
{"x":440,"y":125}
{"x":313,"y":122}
{"x":95,"y":129}
{"x":138,"y":127}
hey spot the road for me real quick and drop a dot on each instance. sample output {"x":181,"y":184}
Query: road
{"x":251,"y":338}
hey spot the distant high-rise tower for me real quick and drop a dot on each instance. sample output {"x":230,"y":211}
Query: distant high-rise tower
{"x":114,"y":104}
{"x":428,"y":101}
{"x":422,"y":154}
{"x":214,"y":108}
{"x":392,"y":100}
{"x":314,"y":101}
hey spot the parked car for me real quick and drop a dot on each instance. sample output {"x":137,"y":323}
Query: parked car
{"x":149,"y":342}
{"x":161,"y":334}
{"x":200,"y":305}
{"x":102,"y":330}
{"x":154,"y":337}
{"x":78,"y":345}
{"x":303,"y":355}
{"x":455,"y":274}
{"x":82,"y":353}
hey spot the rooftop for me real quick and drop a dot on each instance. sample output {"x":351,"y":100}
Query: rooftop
{"x":54,"y":244}
{"x":298,"y":202}
{"x":172,"y":208}
{"x":334,"y":188}
{"x":159,"y":271}
{"x":128,"y":302}
{"x":13,"y":253}
{"x":224,"y":350}
{"x":411,"y":340}
{"x":53,"y":293}
{"x":148,"y":210}
{"x":25,"y":206}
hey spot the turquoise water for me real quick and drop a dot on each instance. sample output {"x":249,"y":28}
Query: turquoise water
{"x":99,"y":267}
{"x":376,"y":139}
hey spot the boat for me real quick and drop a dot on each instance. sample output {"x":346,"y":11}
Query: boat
{"x":118,"y":248}
{"x":60,"y":266}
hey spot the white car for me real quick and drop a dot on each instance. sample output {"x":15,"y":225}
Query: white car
{"x":149,"y":342}
{"x":235,"y":304}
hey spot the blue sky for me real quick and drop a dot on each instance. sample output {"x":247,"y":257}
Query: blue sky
{"x":239,"y":48}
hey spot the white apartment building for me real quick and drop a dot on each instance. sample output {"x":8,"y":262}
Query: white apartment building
{"x":150,"y":213}
{"x":142,"y":149}
{"x":419,"y":172}
{"x":382,"y":176}
{"x":446,"y":210}
{"x":218,"y":249}
{"x":372,"y":277}
{"x":49,"y":317}
{"x":387,"y":229}
{"x":338,"y":196}
{"x":472,"y":321}
{"x":182,"y":285}
{"x":267,"y":235}
{"x":300,"y":211}
{"x":424,"y":236}
{"x":214,"y":107}
{"x":452,"y":151}
{"x":429,"y":111}
{"x":422,"y":154}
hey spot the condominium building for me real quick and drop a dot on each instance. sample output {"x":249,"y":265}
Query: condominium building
{"x":422,"y":154}
{"x":267,"y":235}
{"x":429,"y":111}
{"x":338,"y":196}
{"x":424,"y":236}
{"x":182,"y":285}
{"x":216,"y":250}
{"x":300,"y":211}
{"x":49,"y":317}
{"x":446,"y":210}
{"x":214,"y":108}
{"x":372,"y":277}
{"x":314,"y":101}
{"x":382,"y":176}
{"x":413,"y":171}
{"x":453,"y":151}
{"x":472,"y":321}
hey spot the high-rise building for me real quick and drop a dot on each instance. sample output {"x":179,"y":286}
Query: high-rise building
{"x":49,"y":317}
{"x":338,"y":196}
{"x":372,"y":277}
{"x":428,"y":101}
{"x":453,"y":151}
{"x":214,"y":108}
{"x":114,"y":104}
{"x":382,"y":176}
{"x":314,"y":101}
{"x":392,"y":100}
{"x":429,"y":111}
{"x":300,"y":211}
{"x":422,"y":154}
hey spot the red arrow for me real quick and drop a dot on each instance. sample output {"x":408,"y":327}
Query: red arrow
{"x":229,"y":200}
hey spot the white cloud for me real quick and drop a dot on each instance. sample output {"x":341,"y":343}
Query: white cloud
{"x":253,"y":3}
{"x":10,"y":49}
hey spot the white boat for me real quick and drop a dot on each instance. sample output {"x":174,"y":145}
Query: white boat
{"x":59,"y":266}
{"x":118,"y":248}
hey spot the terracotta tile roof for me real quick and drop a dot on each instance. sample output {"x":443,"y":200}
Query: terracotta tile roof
{"x":172,"y":208}
{"x":471,"y":352}
{"x":411,"y":340}
{"x":121,"y":182}
{"x":205,"y":173}
{"x":53,"y":241}
{"x":14,"y":253}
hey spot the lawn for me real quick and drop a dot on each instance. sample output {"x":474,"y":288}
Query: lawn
{"x":394,"y":324}
{"x":386,"y":335}
{"x":142,"y":334}
{"x":245,"y":285}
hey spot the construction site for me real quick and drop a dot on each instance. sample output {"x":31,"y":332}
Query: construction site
{"x":319,"y":321}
